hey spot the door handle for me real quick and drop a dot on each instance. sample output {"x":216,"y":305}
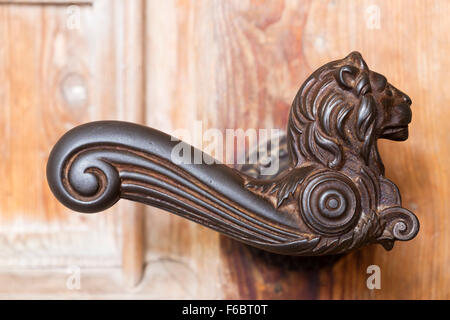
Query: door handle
{"x":331,"y":197}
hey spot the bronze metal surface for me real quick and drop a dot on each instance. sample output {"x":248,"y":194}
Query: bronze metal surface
{"x":331,"y":196}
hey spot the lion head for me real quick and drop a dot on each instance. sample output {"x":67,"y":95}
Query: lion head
{"x":336,"y":181}
{"x":341,"y":110}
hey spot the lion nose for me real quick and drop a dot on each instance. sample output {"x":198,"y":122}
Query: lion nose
{"x":406,"y":99}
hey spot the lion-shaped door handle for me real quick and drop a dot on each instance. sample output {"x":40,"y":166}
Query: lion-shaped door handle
{"x":331,"y":198}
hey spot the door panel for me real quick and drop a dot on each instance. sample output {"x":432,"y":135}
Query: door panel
{"x":60,"y":66}
{"x":229,"y":64}
{"x":234,"y":64}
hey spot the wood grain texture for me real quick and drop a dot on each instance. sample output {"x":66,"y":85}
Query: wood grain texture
{"x":238,"y":64}
{"x":231,"y":64}
{"x":47,"y":2}
{"x":175,"y":78}
{"x":57,"y":74}
{"x":129,"y":31}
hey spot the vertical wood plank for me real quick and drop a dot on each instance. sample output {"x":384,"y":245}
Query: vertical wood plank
{"x":409,"y":48}
{"x":46,"y":68}
{"x":177,"y":250}
{"x":61,"y":66}
{"x":129,"y":42}
{"x":238,"y":64}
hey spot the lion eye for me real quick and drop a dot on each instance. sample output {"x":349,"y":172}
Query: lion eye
{"x":378,"y":81}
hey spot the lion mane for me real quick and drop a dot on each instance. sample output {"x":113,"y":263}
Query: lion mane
{"x":331,"y":123}
{"x":321,"y":128}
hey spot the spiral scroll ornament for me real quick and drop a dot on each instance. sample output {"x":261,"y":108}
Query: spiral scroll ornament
{"x":330,"y":203}
{"x":401,"y":223}
{"x":88,"y":183}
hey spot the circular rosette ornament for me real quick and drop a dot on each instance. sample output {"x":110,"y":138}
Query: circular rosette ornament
{"x":330,"y":203}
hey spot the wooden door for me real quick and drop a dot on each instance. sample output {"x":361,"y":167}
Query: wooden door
{"x":63,"y":63}
{"x":230,"y":64}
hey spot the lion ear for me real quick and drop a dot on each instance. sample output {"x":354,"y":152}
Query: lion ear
{"x":355,"y":58}
{"x":346,"y":76}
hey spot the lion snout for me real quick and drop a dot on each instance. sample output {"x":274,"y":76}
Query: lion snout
{"x":402,"y":114}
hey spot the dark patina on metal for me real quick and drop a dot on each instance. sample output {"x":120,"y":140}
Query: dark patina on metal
{"x":331,"y":196}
